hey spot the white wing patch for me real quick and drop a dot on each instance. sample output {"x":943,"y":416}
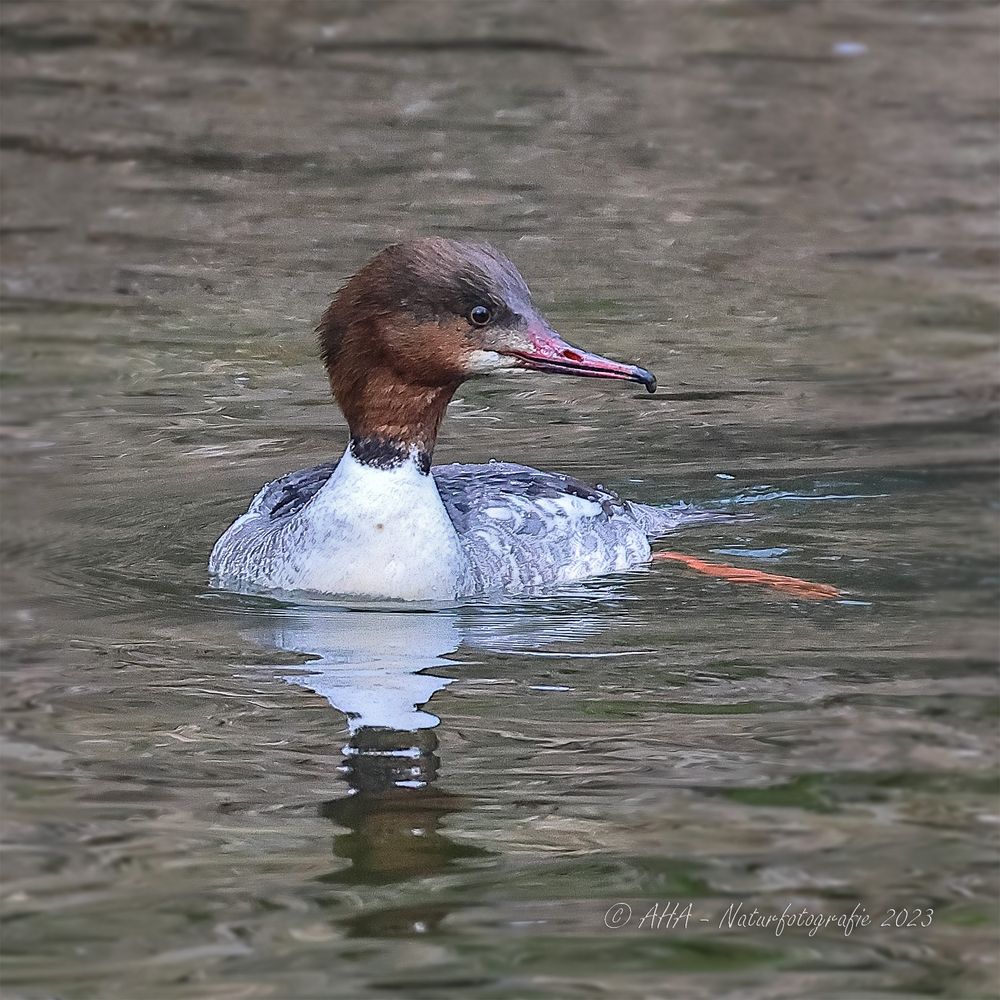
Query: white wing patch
{"x":522,"y":529}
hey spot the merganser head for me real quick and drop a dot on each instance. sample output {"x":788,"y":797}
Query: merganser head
{"x":422,"y":317}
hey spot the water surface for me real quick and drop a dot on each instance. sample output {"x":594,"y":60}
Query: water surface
{"x":785,"y":210}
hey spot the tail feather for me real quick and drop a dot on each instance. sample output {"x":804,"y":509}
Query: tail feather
{"x":658,"y":521}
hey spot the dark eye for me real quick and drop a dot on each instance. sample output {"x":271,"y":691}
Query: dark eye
{"x":480,"y":315}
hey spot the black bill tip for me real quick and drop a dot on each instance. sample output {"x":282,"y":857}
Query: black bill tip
{"x":648,"y":379}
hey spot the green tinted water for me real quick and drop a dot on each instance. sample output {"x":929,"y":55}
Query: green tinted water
{"x":784,"y":210}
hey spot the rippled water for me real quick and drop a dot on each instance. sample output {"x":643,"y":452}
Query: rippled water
{"x":786,"y":210}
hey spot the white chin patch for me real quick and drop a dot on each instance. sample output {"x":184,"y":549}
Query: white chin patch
{"x":483,"y":362}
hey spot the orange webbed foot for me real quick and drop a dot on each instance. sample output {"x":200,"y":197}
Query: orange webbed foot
{"x":736,"y":574}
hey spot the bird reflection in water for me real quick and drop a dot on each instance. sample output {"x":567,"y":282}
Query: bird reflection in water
{"x":373,"y":666}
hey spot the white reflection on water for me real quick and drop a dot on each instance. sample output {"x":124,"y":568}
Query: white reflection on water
{"x":370,"y":665}
{"x":375,"y":666}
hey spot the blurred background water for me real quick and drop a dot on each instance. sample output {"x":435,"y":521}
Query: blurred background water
{"x":786,"y":209}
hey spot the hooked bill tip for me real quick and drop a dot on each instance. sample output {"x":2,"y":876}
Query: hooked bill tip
{"x":648,"y":379}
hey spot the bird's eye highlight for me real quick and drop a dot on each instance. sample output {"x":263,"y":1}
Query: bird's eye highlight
{"x":480,"y":315}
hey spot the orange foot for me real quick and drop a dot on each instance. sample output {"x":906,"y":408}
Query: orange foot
{"x":735,"y":574}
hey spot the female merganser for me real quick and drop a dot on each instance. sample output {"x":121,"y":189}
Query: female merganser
{"x":397,"y":341}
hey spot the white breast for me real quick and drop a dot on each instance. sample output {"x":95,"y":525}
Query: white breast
{"x":379,"y":533}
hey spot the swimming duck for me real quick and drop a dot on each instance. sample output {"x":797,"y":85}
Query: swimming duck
{"x":383,"y":523}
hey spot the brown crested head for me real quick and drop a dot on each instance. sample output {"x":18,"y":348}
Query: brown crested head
{"x":423,"y":316}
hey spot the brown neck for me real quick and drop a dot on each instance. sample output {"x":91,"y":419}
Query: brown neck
{"x":389,"y":418}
